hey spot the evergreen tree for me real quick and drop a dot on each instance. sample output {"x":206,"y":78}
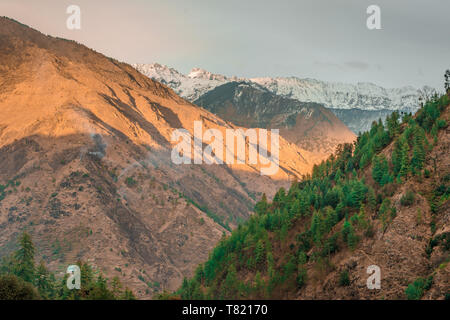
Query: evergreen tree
{"x":24,"y":258}
{"x":447,"y":81}
{"x":259,"y":252}
{"x":338,"y":175}
{"x":45,"y":282}
{"x":261,"y":206}
{"x":348,"y":234}
{"x":128,"y":295}
{"x":371,"y":198}
{"x":304,"y":205}
{"x":393,"y":124}
{"x":380,"y":170}
{"x":116,"y":287}
{"x":418,"y":156}
{"x":404,"y":160}
{"x":316,"y":227}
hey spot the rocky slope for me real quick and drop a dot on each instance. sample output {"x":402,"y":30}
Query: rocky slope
{"x":322,"y":238}
{"x":85,"y":165}
{"x":308,"y":125}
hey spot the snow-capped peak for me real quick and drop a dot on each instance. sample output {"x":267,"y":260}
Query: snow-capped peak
{"x":363,"y":95}
{"x":199,"y":73}
{"x":191,"y":86}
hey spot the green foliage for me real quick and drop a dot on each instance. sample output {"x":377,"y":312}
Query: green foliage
{"x":380,"y":170}
{"x":245,"y":265}
{"x":344,"y":279}
{"x":24,"y":259}
{"x":415,"y":290}
{"x":302,"y":277}
{"x":348,"y":235}
{"x":20,"y":279}
{"x":407,"y":199}
{"x":14,"y":288}
{"x":130,"y":182}
{"x":386,"y":212}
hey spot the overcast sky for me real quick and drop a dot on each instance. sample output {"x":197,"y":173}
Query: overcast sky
{"x":322,"y":39}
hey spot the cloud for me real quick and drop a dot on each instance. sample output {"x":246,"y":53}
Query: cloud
{"x":357,"y":65}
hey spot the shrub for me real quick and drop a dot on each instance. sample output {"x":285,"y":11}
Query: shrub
{"x":344,"y":279}
{"x":130,"y":182}
{"x":415,"y":290}
{"x":301,"y":277}
{"x":14,"y":288}
{"x":407,"y":199}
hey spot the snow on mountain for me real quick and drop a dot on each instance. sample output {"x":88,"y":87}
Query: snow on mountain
{"x":364,"y":96}
{"x":190,"y":86}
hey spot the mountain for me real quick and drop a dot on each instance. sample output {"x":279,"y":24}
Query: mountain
{"x":372,"y":222}
{"x":362,"y":102}
{"x":85,"y":165}
{"x":359,"y":120}
{"x":191,"y":86}
{"x":365,"y":96}
{"x":306,"y":124}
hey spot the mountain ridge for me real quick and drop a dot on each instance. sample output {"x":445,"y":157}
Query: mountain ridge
{"x":306,"y":124}
{"x":371,"y":222}
{"x":363,"y":95}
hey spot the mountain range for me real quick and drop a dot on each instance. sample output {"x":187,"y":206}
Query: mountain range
{"x":308,"y":125}
{"x":363,"y":102}
{"x":87,"y":171}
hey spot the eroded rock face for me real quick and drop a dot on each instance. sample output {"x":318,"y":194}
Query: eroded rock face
{"x":308,"y":125}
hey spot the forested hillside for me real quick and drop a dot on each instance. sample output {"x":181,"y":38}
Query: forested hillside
{"x":22,"y":279}
{"x":382,"y":201}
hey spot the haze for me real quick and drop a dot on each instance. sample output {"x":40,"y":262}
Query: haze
{"x":326,"y":40}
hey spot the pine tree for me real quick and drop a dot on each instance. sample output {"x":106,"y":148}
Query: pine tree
{"x":100,"y":290}
{"x":44,"y":282}
{"x":447,"y":81}
{"x":404,"y":162}
{"x":304,"y":206}
{"x":338,"y":175}
{"x":371,"y":198}
{"x":380,"y":170}
{"x":316,"y":227}
{"x":128,"y":295}
{"x":418,"y":156}
{"x":24,"y":258}
{"x":393,"y":124}
{"x":346,"y":229}
{"x":259,"y":252}
{"x":261,"y":206}
{"x":229,"y":285}
{"x":116,"y":286}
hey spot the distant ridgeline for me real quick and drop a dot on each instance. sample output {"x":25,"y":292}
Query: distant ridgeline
{"x":302,"y":244}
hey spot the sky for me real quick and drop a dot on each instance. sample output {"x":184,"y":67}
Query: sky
{"x":321,"y":39}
